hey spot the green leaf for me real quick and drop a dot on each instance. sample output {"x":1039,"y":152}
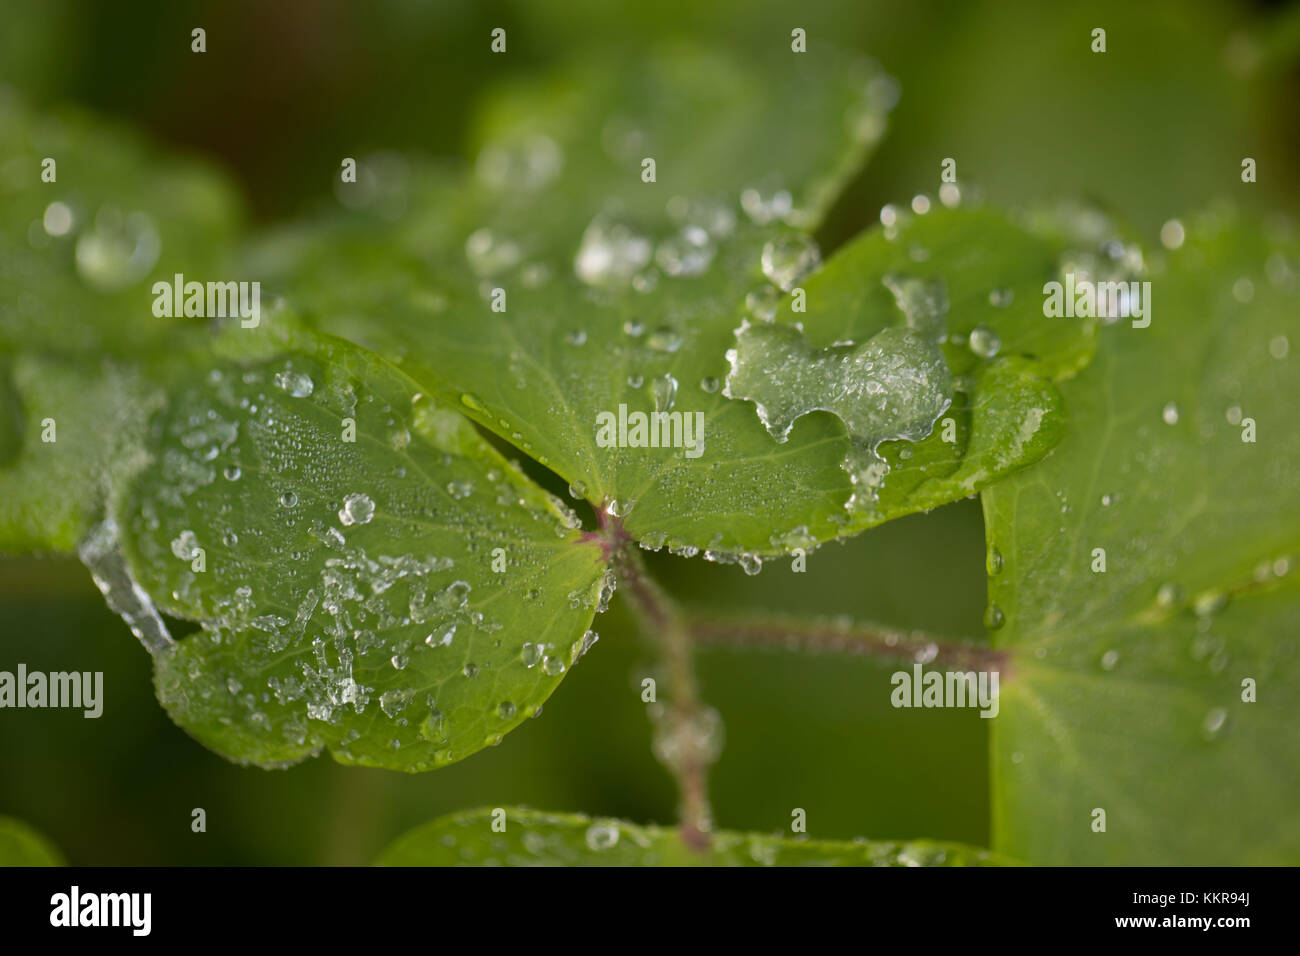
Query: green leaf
{"x":634,"y":309}
{"x":536,"y":838}
{"x":81,"y":352}
{"x":404,"y":599}
{"x":20,"y":845}
{"x":1126,"y":689}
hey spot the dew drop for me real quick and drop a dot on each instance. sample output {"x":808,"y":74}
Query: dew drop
{"x":1109,"y":660}
{"x":1170,"y":413}
{"x":470,"y":670}
{"x":993,"y":562}
{"x":619,"y":507}
{"x":762,"y":302}
{"x":357,"y":509}
{"x":993,"y":617}
{"x":288,"y":499}
{"x":1169,"y":595}
{"x":601,"y":836}
{"x":552,"y":666}
{"x":665,"y":393}
{"x":576,"y":337}
{"x":506,"y":710}
{"x":1279,"y":346}
{"x":460,"y":488}
{"x":751,"y":564}
{"x":1213,"y":723}
{"x":788,"y":259}
{"x":1001,"y":298}
{"x":710,"y":384}
{"x":530,"y":654}
{"x":578,"y":490}
{"x":297,"y":384}
{"x":231,"y":472}
{"x":664,"y":339}
{"x":984,"y":342}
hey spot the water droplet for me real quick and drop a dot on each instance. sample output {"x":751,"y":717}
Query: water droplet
{"x":665,"y":393}
{"x":297,"y":384}
{"x":1243,"y":290}
{"x":288,"y":499}
{"x":117,"y":251}
{"x":601,"y":836}
{"x":357,"y":509}
{"x":635,"y":381}
{"x":1170,"y":413}
{"x":231,"y":472}
{"x":1213,"y":723}
{"x":764,"y":209}
{"x":393,"y":702}
{"x":552,"y":666}
{"x":460,"y":488}
{"x":1169,"y":595}
{"x":610,"y":253}
{"x":751,"y":564}
{"x":619,"y":508}
{"x":578,"y":489}
{"x":686,"y":254}
{"x":489,"y":254}
{"x":58,"y":219}
{"x":634,"y":328}
{"x":762,"y":302}
{"x":185,"y":545}
{"x":576,"y":337}
{"x":1279,"y":346}
{"x":399,"y":661}
{"x":583,"y":644}
{"x":920,"y":204}
{"x":984,"y":342}
{"x":470,"y":670}
{"x":1109,"y":660}
{"x":710,"y":384}
{"x":443,"y":639}
{"x":993,"y":561}
{"x":1172,"y":234}
{"x":664,"y":340}
{"x":531,"y":654}
{"x":788,"y":259}
{"x":1001,"y":298}
{"x":506,"y":710}
{"x":993,"y":617}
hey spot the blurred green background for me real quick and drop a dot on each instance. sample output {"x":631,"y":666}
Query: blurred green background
{"x":1152,"y":129}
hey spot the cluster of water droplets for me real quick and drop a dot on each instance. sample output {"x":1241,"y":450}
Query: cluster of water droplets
{"x":893,"y":386}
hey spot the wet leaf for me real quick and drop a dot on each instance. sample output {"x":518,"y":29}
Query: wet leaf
{"x":369,"y":576}
{"x":1127,"y":689}
{"x":561,"y":302}
{"x":536,"y":838}
{"x":81,"y":351}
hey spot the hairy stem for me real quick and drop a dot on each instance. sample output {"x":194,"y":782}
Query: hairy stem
{"x":840,"y":636}
{"x":683,"y":731}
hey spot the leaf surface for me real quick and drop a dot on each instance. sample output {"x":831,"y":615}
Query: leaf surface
{"x":1127,"y":688}
{"x":536,"y":838}
{"x":369,"y":576}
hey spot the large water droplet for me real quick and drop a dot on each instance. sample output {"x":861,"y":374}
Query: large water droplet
{"x":298,"y":384}
{"x":357,"y":509}
{"x":788,"y":259}
{"x":984,"y":342}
